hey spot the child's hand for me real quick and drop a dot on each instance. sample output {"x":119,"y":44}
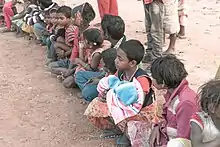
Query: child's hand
{"x":60,"y":53}
{"x":46,"y":33}
{"x":77,"y":61}
{"x":68,"y":73}
{"x":95,"y":81}
{"x":154,"y":137}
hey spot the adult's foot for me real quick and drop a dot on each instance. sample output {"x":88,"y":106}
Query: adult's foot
{"x":169,"y":51}
{"x":148,"y":57}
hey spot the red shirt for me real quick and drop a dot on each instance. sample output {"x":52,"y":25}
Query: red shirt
{"x":72,"y":40}
{"x":178,"y":109}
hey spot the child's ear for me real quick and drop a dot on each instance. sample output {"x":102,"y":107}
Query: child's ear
{"x":133,"y":63}
{"x":211,"y":108}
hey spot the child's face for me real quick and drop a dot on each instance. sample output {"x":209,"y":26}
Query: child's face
{"x":63,"y":20}
{"x":122,"y":62}
{"x":53,"y":17}
{"x":156,"y":85}
{"x":77,"y":19}
{"x":216,"y":117}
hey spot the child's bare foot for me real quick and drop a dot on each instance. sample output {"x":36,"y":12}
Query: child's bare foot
{"x":79,"y":95}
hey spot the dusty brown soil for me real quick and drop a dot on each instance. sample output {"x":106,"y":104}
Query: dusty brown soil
{"x":36,"y":111}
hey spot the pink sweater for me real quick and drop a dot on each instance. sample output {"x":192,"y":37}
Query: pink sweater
{"x":178,"y":109}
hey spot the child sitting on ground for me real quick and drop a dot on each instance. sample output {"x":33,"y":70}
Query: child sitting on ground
{"x":50,"y":32}
{"x":61,"y":48}
{"x":18,"y":19}
{"x":114,"y":29}
{"x":81,"y":16}
{"x":87,"y":81}
{"x":89,"y":55}
{"x":104,"y":112}
{"x":205,"y":125}
{"x":180,"y":102}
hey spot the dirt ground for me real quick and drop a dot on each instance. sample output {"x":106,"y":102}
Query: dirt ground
{"x":37,"y":111}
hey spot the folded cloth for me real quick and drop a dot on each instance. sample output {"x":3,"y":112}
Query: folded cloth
{"x":124,"y":99}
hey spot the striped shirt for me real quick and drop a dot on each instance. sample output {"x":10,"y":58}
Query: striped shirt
{"x":72,"y":40}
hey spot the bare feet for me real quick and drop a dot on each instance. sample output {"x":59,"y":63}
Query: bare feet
{"x":169,"y":51}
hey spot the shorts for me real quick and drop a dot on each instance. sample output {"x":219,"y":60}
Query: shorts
{"x":171,"y":17}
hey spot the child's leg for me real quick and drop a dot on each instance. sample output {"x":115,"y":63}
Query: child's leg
{"x":113,"y":7}
{"x":183,"y":23}
{"x":8,"y":13}
{"x":89,"y":92}
{"x":171,"y":23}
{"x":69,"y":82}
{"x":62,"y":46}
{"x":38,"y":30}
{"x":171,"y":47}
{"x":58,"y":67}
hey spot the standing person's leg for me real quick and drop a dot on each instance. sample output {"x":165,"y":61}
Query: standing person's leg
{"x":154,"y":16}
{"x":183,"y":17}
{"x":8,"y":13}
{"x":89,"y":92}
{"x":103,"y":6}
{"x":171,"y":23}
{"x":113,"y":9}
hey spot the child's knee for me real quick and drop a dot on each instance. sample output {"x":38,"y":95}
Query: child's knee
{"x":78,"y":76}
{"x":69,"y":82}
{"x":60,"y":39}
{"x":52,"y":65}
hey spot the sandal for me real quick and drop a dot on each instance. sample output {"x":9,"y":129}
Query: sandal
{"x":108,"y":134}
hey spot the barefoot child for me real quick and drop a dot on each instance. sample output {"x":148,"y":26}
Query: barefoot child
{"x":87,"y":81}
{"x":114,"y":29}
{"x":89,"y":54}
{"x":61,"y":48}
{"x":180,"y":102}
{"x":205,"y":125}
{"x":113,"y":116}
{"x":8,"y":14}
{"x":80,"y":16}
{"x":18,"y":19}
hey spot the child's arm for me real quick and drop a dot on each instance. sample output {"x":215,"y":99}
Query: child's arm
{"x":196,"y":138}
{"x":94,"y":65}
{"x":184,"y":112}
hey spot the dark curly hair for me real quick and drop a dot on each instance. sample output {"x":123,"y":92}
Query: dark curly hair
{"x":108,"y":57}
{"x":113,"y":26}
{"x":93,"y":35}
{"x":210,"y":96}
{"x":168,"y":70}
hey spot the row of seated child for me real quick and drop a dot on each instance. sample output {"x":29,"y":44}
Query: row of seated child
{"x":105,"y":66}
